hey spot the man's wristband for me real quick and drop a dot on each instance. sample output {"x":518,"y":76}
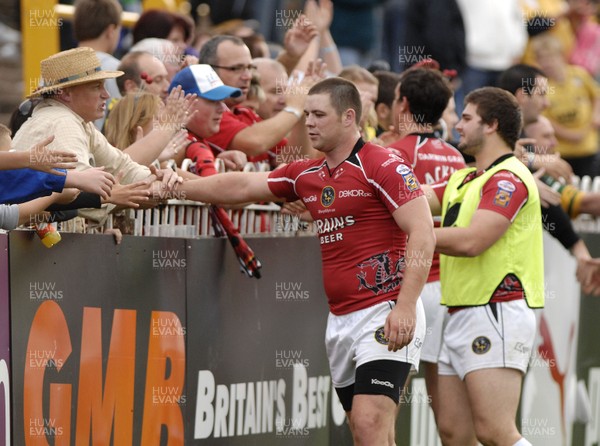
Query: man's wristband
{"x":297,"y":113}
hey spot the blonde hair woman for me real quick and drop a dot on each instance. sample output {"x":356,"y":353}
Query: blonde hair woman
{"x":133,"y":117}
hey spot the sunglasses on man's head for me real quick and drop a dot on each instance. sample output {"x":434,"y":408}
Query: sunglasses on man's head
{"x":26,"y":107}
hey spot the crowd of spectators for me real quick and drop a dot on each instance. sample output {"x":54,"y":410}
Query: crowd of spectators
{"x":264,"y":122}
{"x":101,"y":136}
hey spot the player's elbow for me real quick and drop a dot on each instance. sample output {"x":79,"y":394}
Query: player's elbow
{"x":473,"y":248}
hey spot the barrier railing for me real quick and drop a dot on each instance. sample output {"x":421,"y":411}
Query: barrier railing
{"x":586,"y":223}
{"x":191,"y":219}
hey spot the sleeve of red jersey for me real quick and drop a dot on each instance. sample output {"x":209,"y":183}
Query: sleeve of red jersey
{"x":399,"y":148}
{"x":281,"y":181}
{"x":230,"y":126}
{"x":395,"y":182}
{"x":203,"y":157}
{"x":504,"y":193}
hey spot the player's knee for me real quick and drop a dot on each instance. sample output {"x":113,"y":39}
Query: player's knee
{"x":490,"y":433}
{"x":368,"y":425}
{"x":453,"y":433}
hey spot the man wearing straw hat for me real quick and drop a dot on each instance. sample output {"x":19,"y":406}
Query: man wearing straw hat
{"x":73,"y":97}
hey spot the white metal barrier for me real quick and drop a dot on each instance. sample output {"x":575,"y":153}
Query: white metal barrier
{"x":586,"y":223}
{"x":189,"y":219}
{"x":184,"y":218}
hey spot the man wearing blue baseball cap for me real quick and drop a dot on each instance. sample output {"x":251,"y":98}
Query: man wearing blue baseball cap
{"x":203,"y":81}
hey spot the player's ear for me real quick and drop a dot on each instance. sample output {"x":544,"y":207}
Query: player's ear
{"x":349,"y":116}
{"x":492,"y":127}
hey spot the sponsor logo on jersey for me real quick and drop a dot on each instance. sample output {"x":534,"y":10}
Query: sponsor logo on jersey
{"x":418,"y":343}
{"x":380,"y":336}
{"x":504,"y":193}
{"x":334,"y":223}
{"x":327,"y":196}
{"x":408,"y":176}
{"x":310,"y":199}
{"x":382,"y":383}
{"x":354,"y":193}
{"x":394,"y":158}
{"x":481,"y":345}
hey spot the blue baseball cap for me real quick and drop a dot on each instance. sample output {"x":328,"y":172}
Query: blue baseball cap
{"x":205,"y":82}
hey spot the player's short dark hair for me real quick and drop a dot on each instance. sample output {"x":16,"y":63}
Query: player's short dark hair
{"x":427,"y":92}
{"x":387,"y":87}
{"x":92,"y":17}
{"x":497,"y":105}
{"x":208,"y":52}
{"x":343,"y":95}
{"x":519,"y":77}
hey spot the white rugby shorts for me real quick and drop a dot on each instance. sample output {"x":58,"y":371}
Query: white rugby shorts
{"x":435,"y":316}
{"x":356,"y":338}
{"x":474,"y":338}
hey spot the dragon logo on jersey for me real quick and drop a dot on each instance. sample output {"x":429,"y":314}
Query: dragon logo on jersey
{"x":379,"y":274}
{"x":327,"y":196}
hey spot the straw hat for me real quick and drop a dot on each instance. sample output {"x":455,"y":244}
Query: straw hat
{"x":71,"y":67}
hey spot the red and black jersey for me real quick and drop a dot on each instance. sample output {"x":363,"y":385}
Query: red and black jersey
{"x":202,"y":156}
{"x":362,"y":247}
{"x":433,"y":160}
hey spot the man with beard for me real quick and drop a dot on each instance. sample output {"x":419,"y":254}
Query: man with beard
{"x":491,"y":275}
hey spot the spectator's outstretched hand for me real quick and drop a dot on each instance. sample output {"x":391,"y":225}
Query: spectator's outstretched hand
{"x":315,"y":72}
{"x":300,"y":83}
{"x":557,"y":167}
{"x":94,"y":180}
{"x":187,"y":61}
{"x":167,"y":177}
{"x":233,"y":159}
{"x":298,"y":37}
{"x":177,"y":143}
{"x":177,"y":111}
{"x":47,"y":160}
{"x":588,"y":275}
{"x":132,"y":195}
{"x":319,"y":13}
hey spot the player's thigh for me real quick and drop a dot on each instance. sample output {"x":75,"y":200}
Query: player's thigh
{"x":494,"y":393}
{"x":454,"y":409}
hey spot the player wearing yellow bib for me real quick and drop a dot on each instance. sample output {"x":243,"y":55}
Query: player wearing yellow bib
{"x":491,"y":276}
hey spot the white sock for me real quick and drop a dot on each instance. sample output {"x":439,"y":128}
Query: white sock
{"x":522,"y":442}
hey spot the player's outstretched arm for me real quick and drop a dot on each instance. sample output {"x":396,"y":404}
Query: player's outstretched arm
{"x":229,"y":188}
